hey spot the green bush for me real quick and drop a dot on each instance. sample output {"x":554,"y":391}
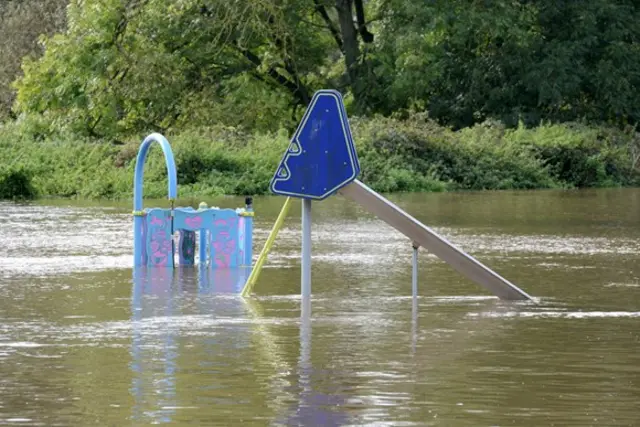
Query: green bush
{"x":15,"y":183}
{"x":580,"y":156}
{"x":439,"y":159}
{"x":395,"y":155}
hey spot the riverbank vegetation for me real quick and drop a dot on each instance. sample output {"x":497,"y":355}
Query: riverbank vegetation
{"x":395,"y":155}
{"x":442,"y":95}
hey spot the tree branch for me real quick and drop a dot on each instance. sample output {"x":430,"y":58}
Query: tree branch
{"x":298,"y":90}
{"x":327,"y":19}
{"x":289,"y":65}
{"x":367,"y":37}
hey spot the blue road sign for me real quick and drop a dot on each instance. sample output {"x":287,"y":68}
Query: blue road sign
{"x":321,"y":157}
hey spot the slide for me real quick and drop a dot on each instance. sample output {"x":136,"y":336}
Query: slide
{"x":430,"y":240}
{"x":321,"y":160}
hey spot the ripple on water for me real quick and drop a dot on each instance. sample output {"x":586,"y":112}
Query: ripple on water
{"x":454,"y":360}
{"x":59,"y":240}
{"x":556,"y":314}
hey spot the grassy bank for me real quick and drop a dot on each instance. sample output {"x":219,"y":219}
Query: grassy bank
{"x":409,"y":155}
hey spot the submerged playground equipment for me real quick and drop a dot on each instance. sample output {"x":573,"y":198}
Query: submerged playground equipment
{"x":225,"y":235}
{"x":320,"y":161}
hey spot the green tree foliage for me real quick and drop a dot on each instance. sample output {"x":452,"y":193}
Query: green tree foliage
{"x":21,"y":23}
{"x":465,"y":61}
{"x":155,"y":64}
{"x":127,"y":66}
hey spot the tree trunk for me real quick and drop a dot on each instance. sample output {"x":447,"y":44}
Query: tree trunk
{"x":351,"y":48}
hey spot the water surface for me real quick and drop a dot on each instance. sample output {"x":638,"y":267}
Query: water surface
{"x":84,"y":341}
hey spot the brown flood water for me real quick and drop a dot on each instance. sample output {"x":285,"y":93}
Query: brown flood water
{"x":83,"y":342}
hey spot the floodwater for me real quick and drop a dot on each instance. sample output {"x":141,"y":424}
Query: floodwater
{"x":84,"y":341}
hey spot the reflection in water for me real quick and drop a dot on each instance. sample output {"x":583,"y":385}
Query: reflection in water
{"x":159,"y":295}
{"x":151,"y":297}
{"x":156,"y":294}
{"x":313,"y":407}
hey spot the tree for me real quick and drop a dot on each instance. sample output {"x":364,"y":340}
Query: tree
{"x":531,"y":60}
{"x":130,"y":65}
{"x":348,"y":34}
{"x":21,"y":23}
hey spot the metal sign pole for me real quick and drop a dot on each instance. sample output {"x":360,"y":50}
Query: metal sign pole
{"x":305,"y":287}
{"x":321,"y":159}
{"x":414,"y":281}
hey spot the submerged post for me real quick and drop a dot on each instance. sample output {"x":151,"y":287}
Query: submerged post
{"x":255,"y":272}
{"x":414,"y":278}
{"x":305,"y":286}
{"x":433,"y":242}
{"x":320,"y":160}
{"x":248,"y":232}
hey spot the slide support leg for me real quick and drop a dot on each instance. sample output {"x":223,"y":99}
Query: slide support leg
{"x":414,"y":278}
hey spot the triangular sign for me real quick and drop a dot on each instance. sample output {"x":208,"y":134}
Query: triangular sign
{"x":321,"y":157}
